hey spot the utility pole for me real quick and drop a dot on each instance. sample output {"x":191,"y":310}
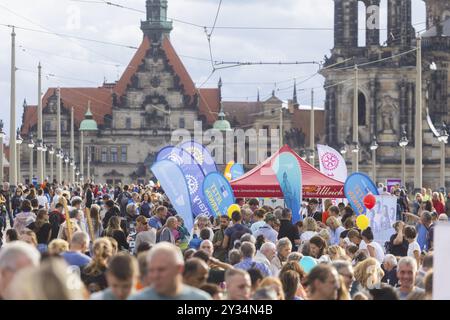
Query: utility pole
{"x":418,"y":183}
{"x":12,"y":122}
{"x":312,"y":130}
{"x":58,"y":136}
{"x":40,"y":164}
{"x":72,"y":144}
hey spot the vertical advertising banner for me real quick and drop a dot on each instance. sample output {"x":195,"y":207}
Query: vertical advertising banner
{"x":382,"y":217}
{"x":289,"y":176}
{"x":332,"y":163}
{"x":193,"y":176}
{"x":171,"y":179}
{"x":201,"y":155}
{"x":218,"y":193}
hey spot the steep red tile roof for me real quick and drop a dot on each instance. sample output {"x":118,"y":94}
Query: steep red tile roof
{"x":101,"y":97}
{"x":132,"y":67}
{"x":101,"y":104}
{"x":209,"y":104}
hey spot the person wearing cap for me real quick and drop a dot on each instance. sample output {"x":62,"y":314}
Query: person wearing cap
{"x":268,"y":229}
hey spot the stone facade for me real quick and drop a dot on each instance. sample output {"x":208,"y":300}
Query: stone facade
{"x":386,"y":98}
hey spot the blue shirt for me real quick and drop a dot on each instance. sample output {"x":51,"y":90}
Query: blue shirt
{"x":249,"y":263}
{"x":75,"y":258}
{"x":268,"y":232}
{"x":422,"y":233}
{"x":336,"y":235}
{"x":154,"y":222}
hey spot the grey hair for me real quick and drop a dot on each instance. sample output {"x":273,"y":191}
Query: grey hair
{"x":79,"y":238}
{"x":294,"y":256}
{"x":248,"y":249}
{"x":391,"y":259}
{"x":247,"y":237}
{"x":341,"y":264}
{"x":11,"y":252}
{"x":283,"y":242}
{"x":166,"y":248}
{"x":409,"y":261}
{"x":266,"y":246}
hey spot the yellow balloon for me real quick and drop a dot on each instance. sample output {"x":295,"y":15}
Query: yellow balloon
{"x":362,"y":222}
{"x":233,"y":208}
{"x":227,"y":172}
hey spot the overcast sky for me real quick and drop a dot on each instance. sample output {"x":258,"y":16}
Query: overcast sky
{"x":91,"y":63}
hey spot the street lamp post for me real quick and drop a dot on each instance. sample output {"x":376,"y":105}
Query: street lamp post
{"x":51,"y":152}
{"x":355,"y":152}
{"x":355,"y":125}
{"x":31,"y":146}
{"x":44,"y":162}
{"x":66,"y":162}
{"x":373,"y":148}
{"x":19,"y":141}
{"x":2,"y":134}
{"x":403,"y":143}
{"x":443,"y":139}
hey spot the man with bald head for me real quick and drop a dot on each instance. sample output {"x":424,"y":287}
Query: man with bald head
{"x":165,"y":266}
{"x":15,"y":256}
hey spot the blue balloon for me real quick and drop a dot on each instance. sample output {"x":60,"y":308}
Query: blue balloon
{"x":356,"y":187}
{"x":308,"y":263}
{"x":237,"y":170}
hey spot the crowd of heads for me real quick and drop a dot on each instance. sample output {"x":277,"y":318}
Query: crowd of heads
{"x":127,"y":242}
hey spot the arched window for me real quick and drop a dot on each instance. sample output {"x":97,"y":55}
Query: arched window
{"x":361,"y":109}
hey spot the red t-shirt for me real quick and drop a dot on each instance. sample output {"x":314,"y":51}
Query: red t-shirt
{"x":438,"y":206}
{"x":325,"y":216}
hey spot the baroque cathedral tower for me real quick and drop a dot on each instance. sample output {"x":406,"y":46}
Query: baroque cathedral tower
{"x":387,"y":84}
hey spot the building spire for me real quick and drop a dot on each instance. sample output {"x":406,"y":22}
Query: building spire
{"x":294,"y":98}
{"x":156,"y":26}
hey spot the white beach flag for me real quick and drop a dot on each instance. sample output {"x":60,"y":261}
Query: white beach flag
{"x":332,"y":163}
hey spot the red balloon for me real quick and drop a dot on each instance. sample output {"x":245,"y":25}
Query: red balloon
{"x":369,"y":201}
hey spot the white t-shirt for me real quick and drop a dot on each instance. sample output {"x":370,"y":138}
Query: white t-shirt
{"x":413,"y":246}
{"x":42,"y":200}
{"x":363,"y":245}
{"x":379,"y":252}
{"x":307,"y":235}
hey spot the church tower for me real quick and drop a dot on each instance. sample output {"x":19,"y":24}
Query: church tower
{"x":156,"y":27}
{"x":387,"y":86}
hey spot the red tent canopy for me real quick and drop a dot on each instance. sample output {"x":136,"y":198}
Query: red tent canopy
{"x":262,"y":182}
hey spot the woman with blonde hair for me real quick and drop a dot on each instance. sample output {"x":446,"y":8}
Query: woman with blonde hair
{"x":310,"y":229}
{"x":93,"y":275}
{"x":337,"y":253}
{"x":274,"y":283}
{"x":49,"y":281}
{"x":368,"y":274}
{"x":57,"y":246}
{"x":28,"y":236}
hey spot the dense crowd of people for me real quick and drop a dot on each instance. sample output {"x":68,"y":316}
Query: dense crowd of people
{"x":127,"y":242}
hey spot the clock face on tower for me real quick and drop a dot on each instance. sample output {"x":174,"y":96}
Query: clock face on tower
{"x":155,"y":82}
